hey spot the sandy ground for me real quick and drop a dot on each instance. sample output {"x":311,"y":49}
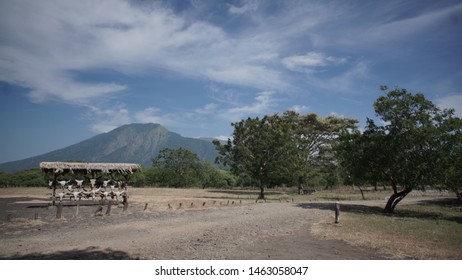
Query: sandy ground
{"x":232,"y":230}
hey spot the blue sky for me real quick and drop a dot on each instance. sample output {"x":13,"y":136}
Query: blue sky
{"x":72,"y":69}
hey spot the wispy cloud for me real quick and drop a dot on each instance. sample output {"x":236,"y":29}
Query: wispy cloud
{"x":451,"y":102}
{"x":420,"y":22}
{"x":61,"y":38}
{"x":306,"y":63}
{"x":291,"y":46}
{"x":195,"y":118}
{"x":301,"y":109}
{"x":249,"y":6}
{"x":104,"y":120}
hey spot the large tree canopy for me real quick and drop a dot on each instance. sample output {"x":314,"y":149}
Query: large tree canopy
{"x":282,"y":149}
{"x":315,"y":138}
{"x":261,"y":149}
{"x":405,"y":150}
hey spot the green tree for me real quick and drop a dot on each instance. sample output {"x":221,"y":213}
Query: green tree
{"x":213,"y":177}
{"x":404,"y":150}
{"x":315,"y":139}
{"x":177,"y":168}
{"x":28,"y":178}
{"x":449,"y":164}
{"x":261,"y":149}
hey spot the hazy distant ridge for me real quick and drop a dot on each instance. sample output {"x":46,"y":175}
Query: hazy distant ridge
{"x":137,"y":143}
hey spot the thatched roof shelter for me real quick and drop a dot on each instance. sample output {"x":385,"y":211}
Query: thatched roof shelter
{"x":88,"y":168}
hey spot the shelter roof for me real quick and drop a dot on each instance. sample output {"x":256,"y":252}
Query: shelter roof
{"x":64,"y":167}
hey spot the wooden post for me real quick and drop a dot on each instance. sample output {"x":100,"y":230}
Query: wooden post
{"x":109,"y":207}
{"x":337,"y":212}
{"x":125,"y":204}
{"x":59,"y":211}
{"x":78,"y":208}
{"x":53,"y":203}
{"x":99,"y":211}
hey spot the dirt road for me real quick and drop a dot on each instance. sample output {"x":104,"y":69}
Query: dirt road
{"x":238,"y":231}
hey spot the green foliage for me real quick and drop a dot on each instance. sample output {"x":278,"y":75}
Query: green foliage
{"x":27,"y":178}
{"x":182,"y":168}
{"x":262,"y":149}
{"x":316,"y":138}
{"x":408,"y":150}
{"x":177,"y":168}
{"x":284,"y":150}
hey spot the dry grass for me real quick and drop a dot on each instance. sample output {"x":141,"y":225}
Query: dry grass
{"x":424,"y":231}
{"x":24,"y":192}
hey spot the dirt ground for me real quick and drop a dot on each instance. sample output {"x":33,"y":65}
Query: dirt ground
{"x":198,"y":229}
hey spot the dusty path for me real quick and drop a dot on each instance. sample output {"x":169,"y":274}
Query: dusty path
{"x":249,"y":231}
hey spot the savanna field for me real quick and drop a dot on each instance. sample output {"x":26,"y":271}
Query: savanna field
{"x":168,"y":223}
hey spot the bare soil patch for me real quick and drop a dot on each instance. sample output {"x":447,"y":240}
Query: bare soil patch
{"x":207,"y":225}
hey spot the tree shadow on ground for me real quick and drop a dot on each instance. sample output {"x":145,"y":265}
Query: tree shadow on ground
{"x":250,"y":192}
{"x":445,"y":202}
{"x":74,"y":204}
{"x":90,"y":253}
{"x":428,"y":214}
{"x":344,"y":207}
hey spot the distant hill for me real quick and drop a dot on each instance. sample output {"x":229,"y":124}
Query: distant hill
{"x":132,"y":143}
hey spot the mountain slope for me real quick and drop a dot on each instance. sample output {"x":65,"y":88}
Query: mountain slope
{"x":137,"y":143}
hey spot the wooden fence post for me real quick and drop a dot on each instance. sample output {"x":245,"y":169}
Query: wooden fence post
{"x":78,"y":209}
{"x":99,"y":211}
{"x":109,"y":207}
{"x":125,"y":204}
{"x":59,"y":211}
{"x":337,"y":212}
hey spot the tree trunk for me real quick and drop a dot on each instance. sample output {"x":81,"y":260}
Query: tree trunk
{"x":395,"y":199}
{"x":301,"y":190}
{"x":262,"y":193}
{"x":262,"y":190}
{"x":458,"y":194}
{"x":362,"y":192}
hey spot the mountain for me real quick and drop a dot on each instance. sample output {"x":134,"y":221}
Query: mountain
{"x":132,"y":143}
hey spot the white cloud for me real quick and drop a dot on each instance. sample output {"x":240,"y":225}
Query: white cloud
{"x":348,"y":81}
{"x":301,"y":109}
{"x":249,"y":6}
{"x":109,"y":118}
{"x":60,"y":38}
{"x":310,"y":60}
{"x":410,"y":25}
{"x":334,"y":114}
{"x":264,"y":103}
{"x":208,"y":109}
{"x":223,"y":138}
{"x":451,"y":102}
